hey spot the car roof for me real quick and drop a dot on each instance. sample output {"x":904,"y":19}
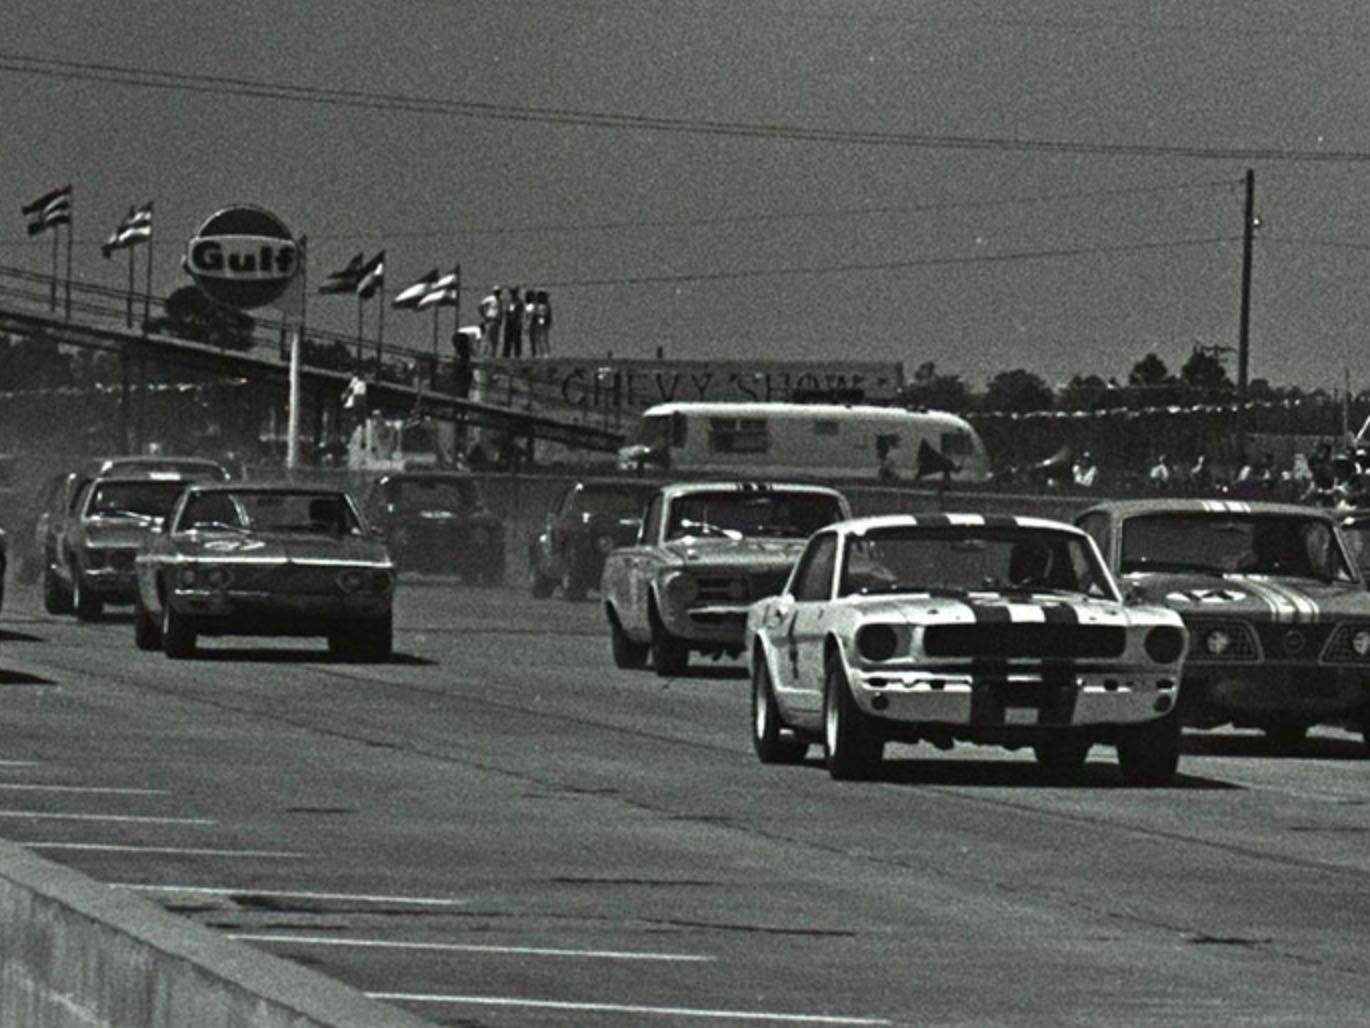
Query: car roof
{"x":745,"y":486}
{"x":264,"y":486}
{"x":941,"y":519}
{"x":425,"y":476}
{"x":100,"y":465}
{"x":1194,"y":505}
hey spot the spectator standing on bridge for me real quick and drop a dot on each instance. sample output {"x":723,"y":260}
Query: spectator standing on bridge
{"x":539,"y":323}
{"x":491,"y":319}
{"x":513,"y":323}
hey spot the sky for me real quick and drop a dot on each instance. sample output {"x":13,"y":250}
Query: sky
{"x":1053,"y":186}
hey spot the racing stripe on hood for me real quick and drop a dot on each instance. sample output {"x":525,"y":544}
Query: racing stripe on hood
{"x":1282,"y":609}
{"x":1305,"y":607}
{"x":1024,"y":613}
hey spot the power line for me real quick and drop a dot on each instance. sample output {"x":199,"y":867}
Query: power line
{"x":397,"y":102}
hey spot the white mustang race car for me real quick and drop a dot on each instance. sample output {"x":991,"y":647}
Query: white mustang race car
{"x":946,"y":627}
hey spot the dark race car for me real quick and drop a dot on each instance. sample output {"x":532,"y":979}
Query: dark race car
{"x":438,"y":521}
{"x":1277,"y":610}
{"x":588,"y":520}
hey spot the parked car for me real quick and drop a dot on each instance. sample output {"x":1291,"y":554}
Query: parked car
{"x":438,"y":521}
{"x":704,"y":553}
{"x":265,"y":559}
{"x":1277,"y":610}
{"x":587,"y":521}
{"x":942,"y":628}
{"x":97,"y":543}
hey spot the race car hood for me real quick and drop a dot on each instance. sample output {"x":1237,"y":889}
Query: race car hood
{"x":281,"y":548}
{"x":1252,"y":597}
{"x":725,"y":553}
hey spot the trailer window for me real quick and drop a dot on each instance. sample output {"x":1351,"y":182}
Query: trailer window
{"x":738,"y":435}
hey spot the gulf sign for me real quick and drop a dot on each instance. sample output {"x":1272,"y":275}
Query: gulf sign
{"x":243,"y":256}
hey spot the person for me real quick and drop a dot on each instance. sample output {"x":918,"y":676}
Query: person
{"x":887,"y":454}
{"x":540,"y":325}
{"x":461,"y":342}
{"x":1159,"y":475}
{"x":1085,"y":472}
{"x":491,"y":319}
{"x":1200,"y":475}
{"x":513,"y":323}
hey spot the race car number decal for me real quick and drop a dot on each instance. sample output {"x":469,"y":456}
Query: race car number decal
{"x":234,"y":545}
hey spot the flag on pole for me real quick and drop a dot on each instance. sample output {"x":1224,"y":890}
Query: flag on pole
{"x":445,"y":292}
{"x":410,"y":296}
{"x":372,"y":277}
{"x":50,"y":209}
{"x":344,"y":280}
{"x":135,"y":228}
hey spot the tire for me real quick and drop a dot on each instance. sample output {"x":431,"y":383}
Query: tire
{"x":627,"y":654}
{"x":1149,"y":754}
{"x":771,"y":745}
{"x":56,"y":595}
{"x":147,"y":632}
{"x":1286,"y":737}
{"x":573,"y":586}
{"x":852,"y":744}
{"x":87,"y":605}
{"x":670,"y":655}
{"x":178,"y":637}
{"x":1063,"y":756}
{"x":539,"y":584}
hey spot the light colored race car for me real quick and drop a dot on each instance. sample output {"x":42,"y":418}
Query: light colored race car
{"x":1277,"y":609}
{"x":260,"y":559}
{"x":705,"y":551}
{"x":941,"y":628}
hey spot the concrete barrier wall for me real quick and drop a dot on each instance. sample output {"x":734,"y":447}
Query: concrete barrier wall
{"x":78,"y":954}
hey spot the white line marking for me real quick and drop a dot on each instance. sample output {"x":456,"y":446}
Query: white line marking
{"x":17,"y":787}
{"x":51,"y":816}
{"x":457,"y":947}
{"x":18,"y":763}
{"x":109,"y":848}
{"x":623,"y":1008}
{"x":419,"y":901}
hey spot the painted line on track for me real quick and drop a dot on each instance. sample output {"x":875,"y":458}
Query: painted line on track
{"x":623,"y":1008}
{"x":352,"y":897}
{"x":458,"y":947}
{"x":98,"y":789}
{"x":100,"y":847}
{"x":47,"y":815}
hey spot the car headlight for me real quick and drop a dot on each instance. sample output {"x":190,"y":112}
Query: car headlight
{"x":365,"y":580}
{"x":1165,"y":645}
{"x":203,"y":576}
{"x":1360,"y":642}
{"x":681,"y":587}
{"x":1217,"y":642}
{"x":877,"y":642}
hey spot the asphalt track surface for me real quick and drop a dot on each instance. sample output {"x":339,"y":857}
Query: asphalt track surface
{"x":499,"y":828}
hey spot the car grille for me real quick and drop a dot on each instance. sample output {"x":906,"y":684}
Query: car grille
{"x":1339,"y":649}
{"x":1243,"y":641}
{"x":1293,"y":642}
{"x":1024,"y":640}
{"x":301,"y":580}
{"x":734,"y":589}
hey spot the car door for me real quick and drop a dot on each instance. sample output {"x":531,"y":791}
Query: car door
{"x":797,"y":626}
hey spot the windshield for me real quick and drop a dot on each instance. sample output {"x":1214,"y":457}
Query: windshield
{"x":735,"y":515}
{"x":1357,"y":536}
{"x":151,"y":499}
{"x":430,"y":494}
{"x":965,"y":559}
{"x":304,"y":512}
{"x":611,"y":500}
{"x":653,"y":432}
{"x":1234,"y":543}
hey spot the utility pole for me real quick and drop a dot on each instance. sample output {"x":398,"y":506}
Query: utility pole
{"x":1244,"y":329}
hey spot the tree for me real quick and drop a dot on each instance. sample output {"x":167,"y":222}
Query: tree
{"x":1017,"y":390}
{"x":1149,"y":371}
{"x":190,"y":314}
{"x":1204,"y":370}
{"x":936,"y":392}
{"x":1084,"y":392}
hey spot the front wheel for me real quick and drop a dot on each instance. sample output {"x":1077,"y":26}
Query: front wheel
{"x":371,"y":641}
{"x":772,"y":744}
{"x":853,"y":743}
{"x":56,"y":594}
{"x":1286,"y":737}
{"x":627,"y":653}
{"x":1149,"y":754}
{"x":88,"y":605}
{"x":670,"y":655}
{"x":178,"y":637}
{"x":147,"y":633}
{"x":539,"y":585}
{"x":1061,"y":756}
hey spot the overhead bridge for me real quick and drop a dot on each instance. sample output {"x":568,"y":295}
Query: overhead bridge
{"x":265,"y":363}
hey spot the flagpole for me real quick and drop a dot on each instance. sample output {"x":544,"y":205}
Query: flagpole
{"x":380,"y":328}
{"x":52,"y":298}
{"x":360,"y":301}
{"x":147,"y":297}
{"x":70,"y":219}
{"x":128,"y":300}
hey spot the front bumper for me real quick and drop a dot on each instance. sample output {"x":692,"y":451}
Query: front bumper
{"x":112,"y":585}
{"x":1030,"y":698}
{"x":1257,"y":694}
{"x":258,"y":613}
{"x":715,"y":624}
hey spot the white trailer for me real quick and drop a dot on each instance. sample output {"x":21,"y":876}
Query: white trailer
{"x":806,"y":440}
